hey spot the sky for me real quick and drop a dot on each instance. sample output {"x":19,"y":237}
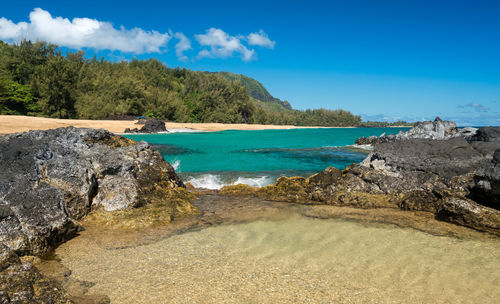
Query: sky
{"x":384,"y":60}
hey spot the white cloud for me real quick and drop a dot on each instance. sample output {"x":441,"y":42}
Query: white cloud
{"x":83,"y":32}
{"x":220,"y":44}
{"x":260,"y":39}
{"x":183,"y":45}
{"x":10,"y":30}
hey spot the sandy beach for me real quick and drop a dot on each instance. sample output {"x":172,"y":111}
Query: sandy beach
{"x":13,"y":123}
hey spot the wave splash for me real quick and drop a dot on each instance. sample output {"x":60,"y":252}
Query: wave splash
{"x":216,"y":182}
{"x":176,"y":165}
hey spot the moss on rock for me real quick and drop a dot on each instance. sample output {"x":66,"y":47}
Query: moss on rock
{"x":164,"y":205}
{"x":289,"y":189}
{"x":115,"y":141}
{"x":239,"y":190}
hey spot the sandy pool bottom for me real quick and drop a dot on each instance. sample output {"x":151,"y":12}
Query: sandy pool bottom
{"x":292,"y":260}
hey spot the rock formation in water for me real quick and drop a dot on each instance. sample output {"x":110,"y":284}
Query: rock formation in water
{"x":51,"y":179}
{"x":150,"y":126}
{"x":456,"y":179}
{"x":437,"y":129}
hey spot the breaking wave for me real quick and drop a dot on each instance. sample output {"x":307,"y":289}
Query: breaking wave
{"x":176,"y":164}
{"x":216,"y":182}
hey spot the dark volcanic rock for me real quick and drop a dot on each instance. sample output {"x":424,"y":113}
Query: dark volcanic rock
{"x":48,"y":179}
{"x":447,"y":158}
{"x":51,"y":179}
{"x":487,"y":134}
{"x":468,"y":171}
{"x":437,"y":129}
{"x":23,"y":283}
{"x":469,"y":213}
{"x":486,"y":187}
{"x":151,"y":126}
{"x":456,"y":179}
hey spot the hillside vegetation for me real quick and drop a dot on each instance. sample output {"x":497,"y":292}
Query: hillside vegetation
{"x":257,"y":91}
{"x":39,"y":79}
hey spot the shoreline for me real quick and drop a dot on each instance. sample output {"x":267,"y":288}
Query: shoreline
{"x":18,"y":123}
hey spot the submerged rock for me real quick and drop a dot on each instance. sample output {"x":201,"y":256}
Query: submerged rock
{"x":51,"y":179}
{"x":437,"y":130}
{"x":150,"y":126}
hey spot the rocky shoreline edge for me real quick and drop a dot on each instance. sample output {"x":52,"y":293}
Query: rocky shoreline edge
{"x":433,"y":167}
{"x":52,"y":180}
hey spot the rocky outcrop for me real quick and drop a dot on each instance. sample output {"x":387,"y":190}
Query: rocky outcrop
{"x":51,"y":179}
{"x":437,"y":130}
{"x":150,"y":126}
{"x":23,"y":283}
{"x":456,"y":179}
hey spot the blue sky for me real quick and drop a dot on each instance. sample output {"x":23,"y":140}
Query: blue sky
{"x":384,"y":59}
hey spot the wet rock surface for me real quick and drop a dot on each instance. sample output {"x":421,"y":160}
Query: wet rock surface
{"x":49,"y":180}
{"x":150,"y":126}
{"x":456,"y":179}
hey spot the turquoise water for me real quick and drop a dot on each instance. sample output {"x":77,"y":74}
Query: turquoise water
{"x":212,"y":159}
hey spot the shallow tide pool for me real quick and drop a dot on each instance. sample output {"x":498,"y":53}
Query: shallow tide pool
{"x":292,"y":260}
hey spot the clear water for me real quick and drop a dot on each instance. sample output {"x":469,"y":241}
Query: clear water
{"x":294,"y":260}
{"x":212,"y":159}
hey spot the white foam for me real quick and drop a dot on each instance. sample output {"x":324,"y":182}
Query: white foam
{"x":176,"y":164}
{"x":214,"y":182}
{"x":363,"y":147}
{"x":206,"y":181}
{"x":181,"y":130}
{"x":254,"y":181}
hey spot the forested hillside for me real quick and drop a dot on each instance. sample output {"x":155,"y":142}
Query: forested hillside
{"x":257,"y":91}
{"x":39,"y":79}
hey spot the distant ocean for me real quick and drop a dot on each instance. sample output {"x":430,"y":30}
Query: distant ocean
{"x":257,"y":158}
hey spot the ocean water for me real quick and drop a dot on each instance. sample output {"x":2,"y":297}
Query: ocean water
{"x":257,"y":158}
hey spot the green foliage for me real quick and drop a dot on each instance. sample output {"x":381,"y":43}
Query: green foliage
{"x":16,"y":99}
{"x":38,"y":79}
{"x":256,"y":90}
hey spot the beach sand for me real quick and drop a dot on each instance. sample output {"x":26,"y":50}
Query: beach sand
{"x":14,"y":123}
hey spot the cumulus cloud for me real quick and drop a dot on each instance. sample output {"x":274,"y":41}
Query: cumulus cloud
{"x":183,"y":45}
{"x":260,"y":39}
{"x":475,"y":106}
{"x":83,"y":33}
{"x":220,"y":44}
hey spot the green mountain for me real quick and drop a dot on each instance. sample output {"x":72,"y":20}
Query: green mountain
{"x":257,"y":91}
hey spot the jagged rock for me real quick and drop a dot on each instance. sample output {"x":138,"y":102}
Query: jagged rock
{"x":370,"y":140}
{"x":22,"y":283}
{"x":51,"y":179}
{"x":486,"y":188}
{"x":447,"y":158}
{"x":456,"y":179}
{"x":437,"y":130}
{"x":466,"y":212}
{"x":150,"y":126}
{"x":487,"y":134}
{"x":128,"y":130}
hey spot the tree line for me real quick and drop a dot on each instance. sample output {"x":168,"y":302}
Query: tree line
{"x":40,"y":79}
